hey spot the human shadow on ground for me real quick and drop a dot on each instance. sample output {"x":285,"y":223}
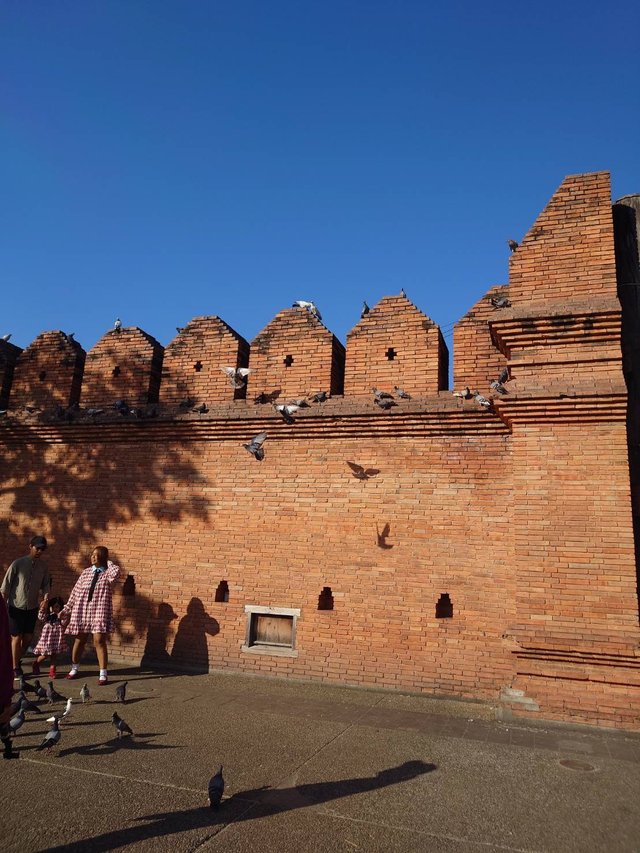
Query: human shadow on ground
{"x":244,"y":806}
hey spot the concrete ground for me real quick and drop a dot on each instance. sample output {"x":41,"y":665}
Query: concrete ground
{"x":311,"y":768}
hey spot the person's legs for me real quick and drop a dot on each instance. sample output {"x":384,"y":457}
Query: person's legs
{"x":76,"y":654}
{"x":100,"y":644}
{"x":16,"y":650}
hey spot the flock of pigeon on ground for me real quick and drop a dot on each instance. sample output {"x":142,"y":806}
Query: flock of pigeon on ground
{"x":238,"y":376}
{"x":24,"y":705}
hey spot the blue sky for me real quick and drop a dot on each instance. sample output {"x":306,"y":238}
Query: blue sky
{"x":164,"y":159}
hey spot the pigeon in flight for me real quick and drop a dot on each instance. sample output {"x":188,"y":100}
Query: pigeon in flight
{"x":382,"y":537}
{"x":121,"y":727}
{"x":52,"y":737}
{"x":121,"y":692}
{"x":216,"y":789}
{"x":465,"y":394}
{"x":320,"y":397}
{"x":237,"y":375}
{"x":255,"y":446}
{"x":498,"y":384}
{"x":483,"y":401}
{"x":361,"y":473}
{"x":308,"y":306}
{"x":500,"y":302}
{"x":401,"y":393}
{"x":117,"y":326}
{"x":512,"y":245}
{"x":365,"y":310}
{"x":287,"y":410}
{"x":85,"y":695}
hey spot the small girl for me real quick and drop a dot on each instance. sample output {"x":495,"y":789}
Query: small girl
{"x":51,"y":642}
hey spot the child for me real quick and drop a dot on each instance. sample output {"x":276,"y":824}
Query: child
{"x":51,"y":641}
{"x":90,"y":611}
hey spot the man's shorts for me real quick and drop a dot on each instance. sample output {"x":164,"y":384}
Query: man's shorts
{"x":21,"y":621}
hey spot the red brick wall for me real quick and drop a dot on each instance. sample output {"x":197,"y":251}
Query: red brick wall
{"x":123,"y":365}
{"x":521,"y":513}
{"x":48,"y":373}
{"x":395,"y":327}
{"x":193,"y":360}
{"x":8,"y":356}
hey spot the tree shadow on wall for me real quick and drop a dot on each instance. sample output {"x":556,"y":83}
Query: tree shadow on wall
{"x":190,"y":651}
{"x":83,"y":485}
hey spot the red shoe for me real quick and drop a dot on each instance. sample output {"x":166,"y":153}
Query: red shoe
{"x":35,"y":668}
{"x":52,"y":672}
{"x":73,"y":674}
{"x":103,"y":680}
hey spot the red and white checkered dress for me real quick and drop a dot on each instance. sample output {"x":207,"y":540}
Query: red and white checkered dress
{"x":51,"y":641}
{"x":95,"y":616}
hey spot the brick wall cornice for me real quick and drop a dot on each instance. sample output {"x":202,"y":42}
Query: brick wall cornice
{"x":603,"y":404}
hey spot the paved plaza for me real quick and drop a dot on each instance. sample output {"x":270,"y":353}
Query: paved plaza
{"x":311,"y":767}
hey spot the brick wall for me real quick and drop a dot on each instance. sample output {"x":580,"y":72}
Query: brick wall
{"x":521,"y":514}
{"x":48,"y":372}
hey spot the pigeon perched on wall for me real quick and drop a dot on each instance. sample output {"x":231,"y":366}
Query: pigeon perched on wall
{"x":202,"y":409}
{"x":187,"y":403}
{"x":382,"y":398}
{"x":6,"y":337}
{"x":498,"y":384}
{"x":237,"y":375}
{"x":402,"y":293}
{"x":287,"y":410}
{"x":465,"y":394}
{"x":512,"y":245}
{"x":500,"y":302}
{"x":117,"y":326}
{"x":365,"y":310}
{"x":122,"y":407}
{"x":255,"y":446}
{"x":121,"y":692}
{"x":121,"y":727}
{"x":483,"y":401}
{"x":320,"y":397}
{"x":93,"y":413}
{"x":361,"y":473}
{"x":85,"y":695}
{"x":401,"y":393}
{"x":216,"y":789}
{"x":52,"y":737}
{"x":308,"y":306}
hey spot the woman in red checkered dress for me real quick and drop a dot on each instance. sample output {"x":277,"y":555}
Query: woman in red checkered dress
{"x":90,"y":610}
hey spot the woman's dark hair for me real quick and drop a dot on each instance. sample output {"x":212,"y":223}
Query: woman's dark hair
{"x":103,"y":554}
{"x":57,"y":600}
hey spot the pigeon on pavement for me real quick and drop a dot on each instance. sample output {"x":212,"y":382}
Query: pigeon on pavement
{"x":121,"y":727}
{"x":216,"y":789}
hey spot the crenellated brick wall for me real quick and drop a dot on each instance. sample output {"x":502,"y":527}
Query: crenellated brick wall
{"x":467,"y":551}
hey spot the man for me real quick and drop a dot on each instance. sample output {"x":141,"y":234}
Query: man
{"x":25,"y":579}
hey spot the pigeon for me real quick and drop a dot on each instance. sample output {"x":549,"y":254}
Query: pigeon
{"x":179,"y":329}
{"x":67,"y":710}
{"x":121,"y":727}
{"x":320,"y":397}
{"x":365,"y":310}
{"x":122,"y":407}
{"x":465,"y":394}
{"x":39,"y":690}
{"x":401,"y":393}
{"x":286,"y":411}
{"x":402,"y":293}
{"x":382,"y":398}
{"x":121,"y":692}
{"x":301,"y":404}
{"x":85,"y":695}
{"x":28,"y":705}
{"x":53,"y":695}
{"x":25,"y":687}
{"x":6,"y":337}
{"x":187,"y":403}
{"x":17,"y":704}
{"x":497,"y":386}
{"x":237,"y":375}
{"x":483,"y":401}
{"x":361,"y":473}
{"x":117,"y":326}
{"x":93,"y":413}
{"x":512,"y":245}
{"x":202,"y":409}
{"x":216,"y":789}
{"x":255,"y":446}
{"x":500,"y":302}
{"x":504,"y":375}
{"x":16,"y":722}
{"x":52,"y":737}
{"x":308,"y":306}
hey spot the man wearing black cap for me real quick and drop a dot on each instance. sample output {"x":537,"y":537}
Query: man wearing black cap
{"x":26,"y":577}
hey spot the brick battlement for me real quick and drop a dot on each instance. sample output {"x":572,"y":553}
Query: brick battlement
{"x":437,"y":546}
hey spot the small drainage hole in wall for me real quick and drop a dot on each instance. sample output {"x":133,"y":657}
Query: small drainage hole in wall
{"x":444,"y":607}
{"x":325,"y":599}
{"x":222,"y":592}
